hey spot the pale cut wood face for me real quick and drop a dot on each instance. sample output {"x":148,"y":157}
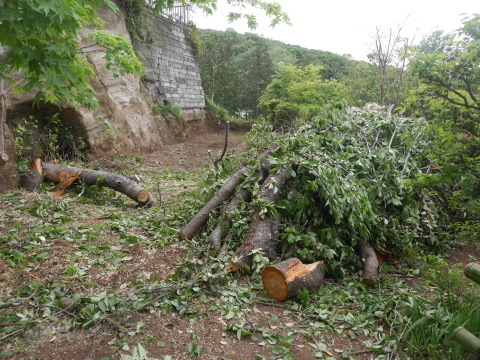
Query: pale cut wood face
{"x":275,"y":283}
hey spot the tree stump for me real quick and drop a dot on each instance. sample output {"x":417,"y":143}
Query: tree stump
{"x":288,"y":278}
{"x":30,"y":180}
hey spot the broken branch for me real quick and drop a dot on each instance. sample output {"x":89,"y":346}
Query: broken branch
{"x":59,"y":172}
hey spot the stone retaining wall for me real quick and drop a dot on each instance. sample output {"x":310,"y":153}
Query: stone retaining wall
{"x":172,"y":73}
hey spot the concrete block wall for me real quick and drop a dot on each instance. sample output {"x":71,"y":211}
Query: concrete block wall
{"x":172,"y":72}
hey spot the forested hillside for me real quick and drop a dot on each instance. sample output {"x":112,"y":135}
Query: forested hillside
{"x":236,"y":68}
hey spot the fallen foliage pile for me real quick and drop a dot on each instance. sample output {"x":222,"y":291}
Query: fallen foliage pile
{"x":338,"y":186}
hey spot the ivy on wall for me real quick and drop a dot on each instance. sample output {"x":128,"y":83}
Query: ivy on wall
{"x":136,"y":14}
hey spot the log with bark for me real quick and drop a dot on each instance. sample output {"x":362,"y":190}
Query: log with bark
{"x":60,"y":173}
{"x":222,"y":228}
{"x":222,"y":195}
{"x":259,"y":235}
{"x":288,"y":278}
{"x":370,"y":263}
{"x":243,"y":195}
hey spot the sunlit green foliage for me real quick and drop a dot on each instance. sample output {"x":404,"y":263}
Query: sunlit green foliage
{"x":449,"y":72}
{"x":272,"y":9}
{"x":299,"y":93}
{"x":236,"y":68}
{"x":41,"y":40}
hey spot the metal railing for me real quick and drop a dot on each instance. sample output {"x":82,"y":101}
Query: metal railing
{"x":179,"y":13}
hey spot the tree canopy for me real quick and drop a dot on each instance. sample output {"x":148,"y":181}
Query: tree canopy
{"x":449,"y":74}
{"x":272,"y":9}
{"x":41,"y":44}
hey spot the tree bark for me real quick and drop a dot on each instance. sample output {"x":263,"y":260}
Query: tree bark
{"x":288,"y":278}
{"x":31,"y":179}
{"x":222,"y":228}
{"x":222,"y":195}
{"x":190,"y":229}
{"x":370,"y":263}
{"x":3,"y":120}
{"x":60,"y":172}
{"x":260,"y":230}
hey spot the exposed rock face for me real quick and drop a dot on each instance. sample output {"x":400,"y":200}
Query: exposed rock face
{"x":122,"y":108}
{"x":122,"y":105}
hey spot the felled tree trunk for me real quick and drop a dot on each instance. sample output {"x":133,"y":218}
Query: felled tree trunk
{"x":222,"y":228}
{"x":287,"y":279}
{"x":59,"y":173}
{"x":190,"y":229}
{"x":222,"y":195}
{"x":260,"y":230}
{"x":370,"y":263}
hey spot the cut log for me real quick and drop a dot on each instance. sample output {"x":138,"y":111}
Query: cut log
{"x":287,"y":279}
{"x":190,"y":229}
{"x":60,"y":172}
{"x":36,"y":165}
{"x":222,"y":195}
{"x":222,"y":228}
{"x":370,"y":263}
{"x":31,"y":179}
{"x":259,"y":235}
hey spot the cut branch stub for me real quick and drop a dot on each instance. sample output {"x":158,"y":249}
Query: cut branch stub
{"x":67,"y":179}
{"x":287,"y":279}
{"x":259,"y":235}
{"x":370,"y":263}
{"x":60,"y":172}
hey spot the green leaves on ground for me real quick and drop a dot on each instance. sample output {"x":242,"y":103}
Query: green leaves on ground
{"x":350,"y":178}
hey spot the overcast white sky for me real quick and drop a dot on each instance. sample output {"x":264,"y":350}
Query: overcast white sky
{"x":347,"y":26}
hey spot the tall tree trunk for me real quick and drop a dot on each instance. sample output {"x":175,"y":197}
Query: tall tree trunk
{"x":3,"y":121}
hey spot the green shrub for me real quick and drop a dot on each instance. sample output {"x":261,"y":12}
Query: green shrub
{"x":50,"y":138}
{"x":297,"y":94}
{"x":215,"y":111}
{"x":169,"y":111}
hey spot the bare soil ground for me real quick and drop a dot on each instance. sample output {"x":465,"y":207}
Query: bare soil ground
{"x":162,"y":335}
